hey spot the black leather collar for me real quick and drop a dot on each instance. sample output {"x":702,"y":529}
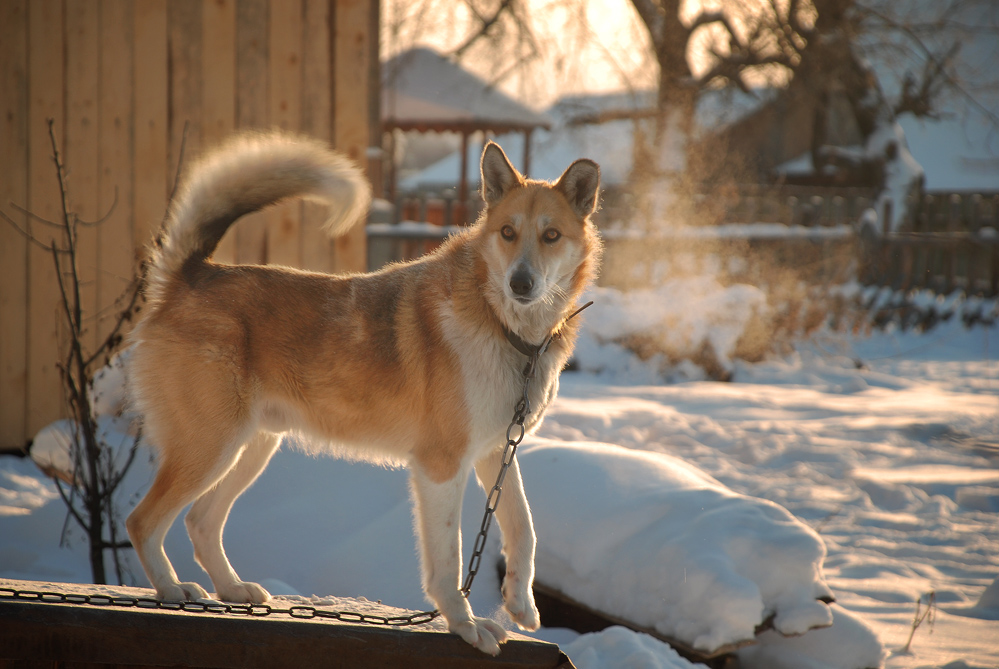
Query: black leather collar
{"x":521,"y":345}
{"x":533,"y":350}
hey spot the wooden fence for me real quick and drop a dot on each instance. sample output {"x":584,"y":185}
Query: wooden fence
{"x":122,"y":80}
{"x":951,"y":243}
{"x":750,"y":232}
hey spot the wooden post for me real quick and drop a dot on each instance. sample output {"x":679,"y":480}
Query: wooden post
{"x":13,"y":247}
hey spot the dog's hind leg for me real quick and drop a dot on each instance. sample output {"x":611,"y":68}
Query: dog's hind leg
{"x":207,"y":517}
{"x":438,"y":520}
{"x":514,"y":517}
{"x":185,"y":473}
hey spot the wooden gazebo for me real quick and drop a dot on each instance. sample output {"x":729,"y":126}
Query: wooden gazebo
{"x":424,"y":91}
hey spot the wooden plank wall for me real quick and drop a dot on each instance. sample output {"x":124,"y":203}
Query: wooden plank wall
{"x":122,"y":81}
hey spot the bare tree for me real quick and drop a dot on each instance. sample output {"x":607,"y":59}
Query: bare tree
{"x":823,"y":52}
{"x":97,"y":467}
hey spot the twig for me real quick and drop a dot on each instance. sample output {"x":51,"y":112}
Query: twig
{"x":105,"y":217}
{"x":927,"y":615}
{"x":26,"y":212}
{"x":27,"y":235}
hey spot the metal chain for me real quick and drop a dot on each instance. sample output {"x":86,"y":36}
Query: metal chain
{"x":514,"y":435}
{"x":255,"y":610}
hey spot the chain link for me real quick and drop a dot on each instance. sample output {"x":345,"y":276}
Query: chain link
{"x":514,"y":435}
{"x":254,"y":610}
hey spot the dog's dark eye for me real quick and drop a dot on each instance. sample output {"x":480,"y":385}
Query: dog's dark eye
{"x":508,"y":233}
{"x":551,"y":235}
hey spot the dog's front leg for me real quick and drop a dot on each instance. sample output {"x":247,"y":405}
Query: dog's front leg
{"x":438,"y":523}
{"x":514,"y":517}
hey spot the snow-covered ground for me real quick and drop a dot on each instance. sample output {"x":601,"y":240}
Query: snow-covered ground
{"x":884,"y":449}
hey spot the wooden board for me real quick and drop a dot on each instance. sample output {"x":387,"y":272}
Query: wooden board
{"x":13,"y":246}
{"x":317,"y":121}
{"x":46,"y":101}
{"x":184,"y":24}
{"x":218,"y":80}
{"x":252,"y":84}
{"x":116,"y":240}
{"x":81,"y":140}
{"x":284,"y":222}
{"x":151,"y":185}
{"x":34,"y":634}
{"x":351,"y":63}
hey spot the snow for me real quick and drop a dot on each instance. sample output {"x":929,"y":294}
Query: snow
{"x":691,"y":559}
{"x":861,"y":465}
{"x":674,"y":320}
{"x":620,"y":647}
{"x":903,"y":173}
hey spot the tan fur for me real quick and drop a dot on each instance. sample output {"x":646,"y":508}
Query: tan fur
{"x":406,"y":365}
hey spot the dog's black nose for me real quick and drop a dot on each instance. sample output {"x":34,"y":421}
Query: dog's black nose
{"x":521,"y":282}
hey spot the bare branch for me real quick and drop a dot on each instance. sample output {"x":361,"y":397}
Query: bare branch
{"x":115,"y":481}
{"x":941,"y":69}
{"x":73,"y":325}
{"x":70,"y":508}
{"x":487,"y":25}
{"x":709,"y":18}
{"x":133,"y":292}
{"x":27,"y":235}
{"x":105,"y":217}
{"x":36,"y":217}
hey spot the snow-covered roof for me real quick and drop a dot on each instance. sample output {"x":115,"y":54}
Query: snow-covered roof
{"x":423,"y":90}
{"x":609,"y":143}
{"x":551,"y":152}
{"x":956,"y":153}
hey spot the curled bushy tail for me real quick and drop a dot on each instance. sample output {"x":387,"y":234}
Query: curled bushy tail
{"x":248,"y":173}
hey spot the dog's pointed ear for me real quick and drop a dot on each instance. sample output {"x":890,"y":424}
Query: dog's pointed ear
{"x":498,"y":175}
{"x":580,"y":184}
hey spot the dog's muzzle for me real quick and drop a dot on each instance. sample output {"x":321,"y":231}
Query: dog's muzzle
{"x":521,"y":283}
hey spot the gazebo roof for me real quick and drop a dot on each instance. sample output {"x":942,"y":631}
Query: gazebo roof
{"x":424,"y":91}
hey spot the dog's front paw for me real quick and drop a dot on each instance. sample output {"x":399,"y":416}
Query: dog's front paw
{"x":519,"y":604}
{"x":181,"y":592}
{"x":243,"y":592}
{"x":483,"y":633}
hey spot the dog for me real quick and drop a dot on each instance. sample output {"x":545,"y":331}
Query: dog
{"x":415,"y":364}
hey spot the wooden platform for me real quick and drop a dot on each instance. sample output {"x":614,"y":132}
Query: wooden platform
{"x":42,"y":634}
